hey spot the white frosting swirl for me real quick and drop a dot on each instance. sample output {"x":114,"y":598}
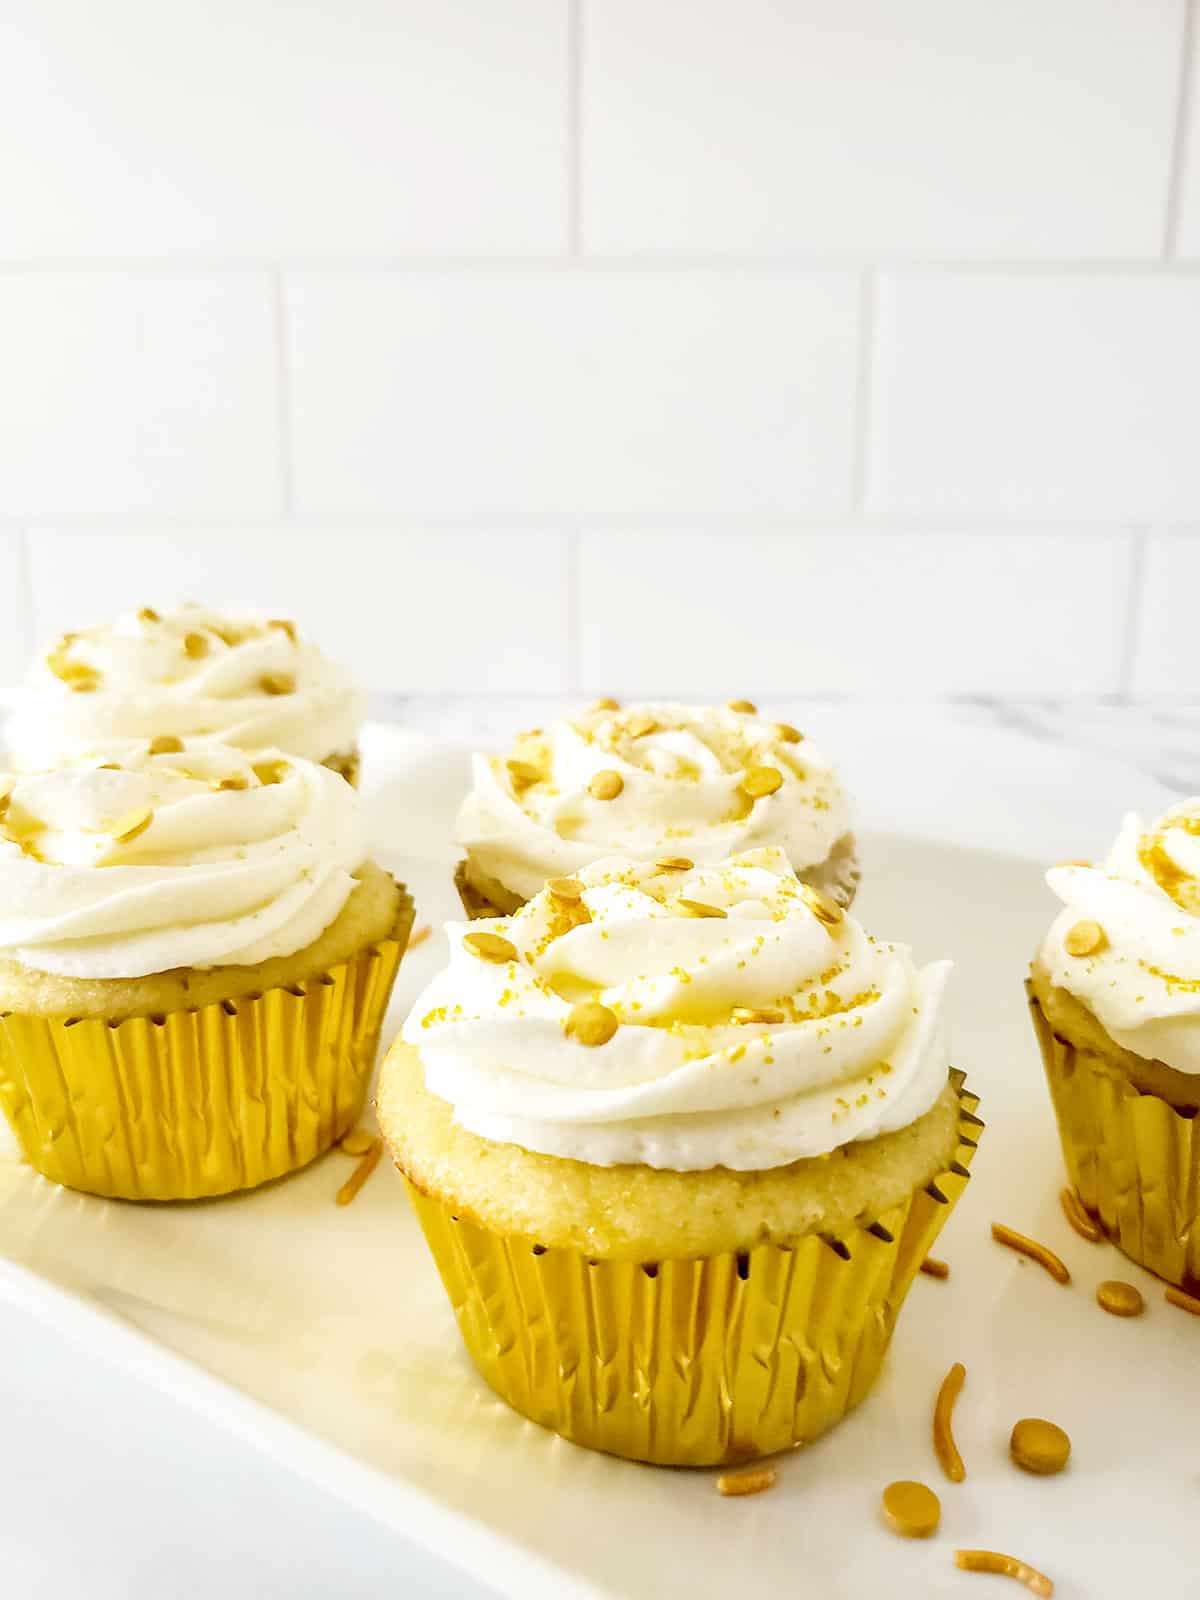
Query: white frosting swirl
{"x":1143,"y":983}
{"x":208,"y":875}
{"x":854,"y":1048}
{"x":245,"y":681}
{"x":680,"y":791}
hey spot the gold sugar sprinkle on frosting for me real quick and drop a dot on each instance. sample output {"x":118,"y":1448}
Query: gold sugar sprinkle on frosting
{"x":638,"y":727}
{"x":1076,"y":861}
{"x":490,"y":947}
{"x":592,"y":1024}
{"x":285,"y":625}
{"x":1120,"y":1299}
{"x":1042,"y":1254}
{"x":786,"y":734}
{"x":607,"y":703}
{"x":700,"y":908}
{"x":271,"y":771}
{"x":911,"y":1509}
{"x":523,"y":773}
{"x":1085,"y":939}
{"x":758,"y":782}
{"x":195,"y":646}
{"x":148,"y":614}
{"x":606,"y":785}
{"x":278,"y":683}
{"x":7,"y":785}
{"x":752,"y":1482}
{"x":565,"y":888}
{"x":943,"y":1418}
{"x":130,"y":826}
{"x":166,"y":744}
{"x":756,"y":1014}
{"x":746,"y":707}
{"x":825,"y":910}
{"x":110,"y":766}
{"x":236,"y":780}
{"x":674,"y":864}
{"x":1005,"y":1567}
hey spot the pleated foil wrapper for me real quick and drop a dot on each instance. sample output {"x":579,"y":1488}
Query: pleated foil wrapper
{"x":1134,"y":1159}
{"x":191,"y":1104}
{"x":690,"y":1362}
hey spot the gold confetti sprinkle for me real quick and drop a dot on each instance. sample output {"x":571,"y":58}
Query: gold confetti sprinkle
{"x":1042,"y":1254}
{"x":674,"y":864}
{"x":699,"y":908}
{"x":758,"y":782}
{"x":1080,"y":1217}
{"x":639,"y":726}
{"x":285,"y":626}
{"x":418,"y":937}
{"x":1085,"y":939}
{"x":1185,"y":1302}
{"x":278,"y":683}
{"x":523,"y":773}
{"x":1120,"y":1299}
{"x":606,"y":785}
{"x":490,"y":947}
{"x":195,"y":646}
{"x":753,"y":1481}
{"x":271,"y":771}
{"x":236,"y":780}
{"x":1039,"y":1446}
{"x":166,"y":744}
{"x":756,"y":1014}
{"x":565,"y":888}
{"x":825,"y":910}
{"x":130,"y":826}
{"x":933,"y":1268}
{"x":357,"y":1142}
{"x":1005,"y":1567}
{"x":911,"y":1509}
{"x":592,"y":1023}
{"x":361,"y":1173}
{"x":746,"y":707}
{"x":148,"y":614}
{"x":607,"y":703}
{"x":786,"y":734}
{"x":1076,"y":861}
{"x":943,"y":1430}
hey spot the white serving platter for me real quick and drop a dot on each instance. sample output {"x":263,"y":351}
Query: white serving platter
{"x":321,"y":1333}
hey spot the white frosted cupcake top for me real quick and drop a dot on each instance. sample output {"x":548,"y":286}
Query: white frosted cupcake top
{"x":1127,"y":942}
{"x":247,"y":681}
{"x":681,"y":1017}
{"x":636,"y":781}
{"x":201,"y":857}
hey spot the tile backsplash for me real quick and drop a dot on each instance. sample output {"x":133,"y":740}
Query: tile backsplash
{"x":573,"y":345}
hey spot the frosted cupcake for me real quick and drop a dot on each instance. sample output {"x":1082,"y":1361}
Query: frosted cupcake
{"x":1115,"y":991}
{"x":679,"y":1141}
{"x":247,"y":681}
{"x":645,"y":782}
{"x":195,"y":958}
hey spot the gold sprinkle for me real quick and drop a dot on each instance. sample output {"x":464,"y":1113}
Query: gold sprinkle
{"x":490,"y":947}
{"x":166,"y":744}
{"x":128,"y":827}
{"x":1120,"y":1299}
{"x":933,"y":1268}
{"x":699,"y":908}
{"x":674,"y":864}
{"x":7,"y":785}
{"x":565,"y":888}
{"x":606,"y":785}
{"x":270,"y":771}
{"x":418,"y":937}
{"x":1076,"y":861}
{"x":756,"y":1014}
{"x":825,"y":910}
{"x":911,"y":1509}
{"x":277,"y":683}
{"x":1039,"y":1446}
{"x":80,"y":679}
{"x":752,"y":1482}
{"x":606,"y":704}
{"x":523,"y":773}
{"x":195,"y":646}
{"x":110,"y":766}
{"x":1185,"y":1302}
{"x":148,"y":614}
{"x":285,"y":626}
{"x":236,"y":780}
{"x":639,"y":726}
{"x":591,"y":1023}
{"x":746,"y":707}
{"x":1005,"y":1567}
{"x":943,"y":1432}
{"x":1042,"y":1254}
{"x":1085,"y":939}
{"x":1079,"y":1217}
{"x":786,"y":734}
{"x":361,"y":1173}
{"x":357,"y":1142}
{"x":758,"y":782}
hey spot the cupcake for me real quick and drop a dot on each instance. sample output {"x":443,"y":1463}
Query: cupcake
{"x":678,"y":1138}
{"x":247,"y":681}
{"x":195,"y":958}
{"x":646,"y":782}
{"x":1115,"y":992}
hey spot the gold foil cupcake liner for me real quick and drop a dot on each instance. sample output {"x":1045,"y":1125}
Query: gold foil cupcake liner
{"x":192,"y":1104}
{"x":1134,"y":1159}
{"x":690,"y":1362}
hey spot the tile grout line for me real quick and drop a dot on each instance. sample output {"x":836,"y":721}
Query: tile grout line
{"x":283,"y":392}
{"x":1179,"y":142}
{"x":574,"y":111}
{"x":573,"y":611}
{"x":1133,"y":614}
{"x":864,"y":390}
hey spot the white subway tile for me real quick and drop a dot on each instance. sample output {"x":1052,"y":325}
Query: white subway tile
{"x":1068,"y":396}
{"x":1166,"y":658}
{"x":232,"y":129}
{"x":844,"y":612}
{"x":546,"y":393}
{"x":945,"y":127}
{"x":137,"y":394}
{"x":1188,"y":242}
{"x":15,"y":623}
{"x":410,"y":612}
